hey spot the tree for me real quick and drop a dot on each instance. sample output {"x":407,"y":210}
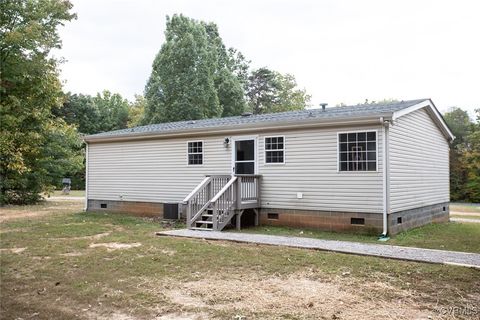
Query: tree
{"x":460,"y":123}
{"x":113,"y":111}
{"x":270,"y":91}
{"x":464,"y":156}
{"x":136,"y":111}
{"x":228,"y":73}
{"x":79,"y":110}
{"x":194,"y":76}
{"x":290,"y":97}
{"x":263,"y":88}
{"x":182,"y":83}
{"x":29,"y":88}
{"x":472,"y":162}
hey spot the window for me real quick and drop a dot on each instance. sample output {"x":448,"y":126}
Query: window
{"x":357,"y":151}
{"x":195,"y":153}
{"x":274,"y":150}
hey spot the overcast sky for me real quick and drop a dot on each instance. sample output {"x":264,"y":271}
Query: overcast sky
{"x":339,"y":51}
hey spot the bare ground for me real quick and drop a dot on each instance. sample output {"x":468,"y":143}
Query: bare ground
{"x":217,"y":291}
{"x":47,"y":208}
{"x":299,"y":295}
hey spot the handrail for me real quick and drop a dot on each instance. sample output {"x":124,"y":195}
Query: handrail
{"x":225,"y":188}
{"x":197,"y":189}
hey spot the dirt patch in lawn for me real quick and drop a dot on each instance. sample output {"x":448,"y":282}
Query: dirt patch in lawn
{"x":92,"y":237}
{"x":296,"y":295}
{"x":43,"y":209}
{"x":13,"y":250}
{"x":115,"y":245}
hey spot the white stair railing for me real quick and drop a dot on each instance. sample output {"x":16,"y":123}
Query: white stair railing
{"x":224,"y":203}
{"x":199,"y":199}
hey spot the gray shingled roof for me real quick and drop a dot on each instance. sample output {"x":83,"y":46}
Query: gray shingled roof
{"x":357,"y":111}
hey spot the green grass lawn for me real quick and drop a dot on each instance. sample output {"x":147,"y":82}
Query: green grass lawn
{"x":55,"y":267}
{"x":445,"y":236}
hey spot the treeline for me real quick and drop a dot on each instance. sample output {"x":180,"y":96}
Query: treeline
{"x":464,"y":156}
{"x":194,"y":76}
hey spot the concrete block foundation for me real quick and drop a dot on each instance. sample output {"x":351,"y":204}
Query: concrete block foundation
{"x":355,"y":221}
{"x":136,"y":208}
{"x":312,"y":219}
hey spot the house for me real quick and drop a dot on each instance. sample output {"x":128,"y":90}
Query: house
{"x":379,"y":166}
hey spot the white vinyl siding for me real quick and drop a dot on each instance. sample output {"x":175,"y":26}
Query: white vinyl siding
{"x":419,"y":162}
{"x":157,"y":171}
{"x":151,"y":170}
{"x":311,"y":168}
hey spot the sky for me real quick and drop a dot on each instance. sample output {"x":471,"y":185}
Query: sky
{"x":340,"y":51}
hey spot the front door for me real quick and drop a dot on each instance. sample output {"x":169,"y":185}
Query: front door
{"x":244,"y":156}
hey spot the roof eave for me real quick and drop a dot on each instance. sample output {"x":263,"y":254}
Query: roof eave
{"x":263,"y":126}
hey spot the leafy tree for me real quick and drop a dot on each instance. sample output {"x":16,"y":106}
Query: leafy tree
{"x":367,"y":101}
{"x":240,"y":66}
{"x":113,"y":111}
{"x":290,"y":97}
{"x":460,"y":123}
{"x":79,"y":110}
{"x":263,"y":88}
{"x":104,"y":112}
{"x":472,"y":162}
{"x":270,"y":91}
{"x":29,"y":87}
{"x":136,"y":111}
{"x":228,"y":74}
{"x":464,"y":156}
{"x":182,"y":83}
{"x":194,"y":75}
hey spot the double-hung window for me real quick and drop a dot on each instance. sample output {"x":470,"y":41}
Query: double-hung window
{"x":357,"y":151}
{"x":274,"y":150}
{"x":195,"y":153}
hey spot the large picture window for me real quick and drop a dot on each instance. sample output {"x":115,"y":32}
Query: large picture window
{"x":195,"y":153}
{"x":358,"y":151}
{"x":274,"y":150}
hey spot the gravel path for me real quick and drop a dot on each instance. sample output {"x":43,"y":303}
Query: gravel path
{"x":378,"y":250}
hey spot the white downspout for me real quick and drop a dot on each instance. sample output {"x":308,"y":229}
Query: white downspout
{"x":385,"y":126}
{"x":86,"y":177}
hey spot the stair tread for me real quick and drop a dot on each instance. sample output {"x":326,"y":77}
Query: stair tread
{"x":204,"y":222}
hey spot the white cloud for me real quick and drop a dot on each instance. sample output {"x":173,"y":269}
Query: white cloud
{"x":340,"y":51}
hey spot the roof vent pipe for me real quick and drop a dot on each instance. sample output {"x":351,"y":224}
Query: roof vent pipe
{"x":324,"y":106}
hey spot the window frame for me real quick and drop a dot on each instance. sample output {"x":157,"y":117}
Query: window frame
{"x":376,"y":152}
{"x":202,"y":153}
{"x":265,"y":151}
